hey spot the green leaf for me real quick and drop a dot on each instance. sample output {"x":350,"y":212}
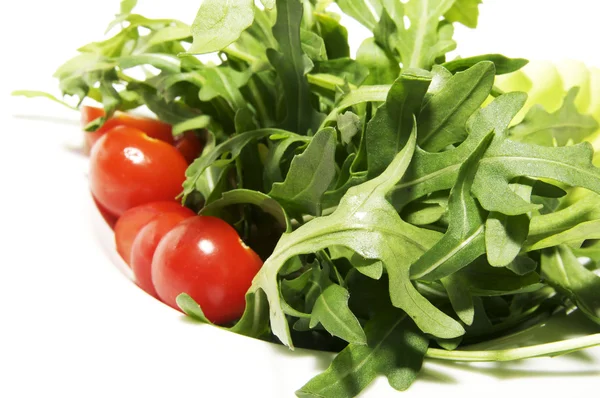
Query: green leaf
{"x":487,"y":281}
{"x":387,"y":132}
{"x":219,"y":23}
{"x":465,"y":12}
{"x":502,"y":64}
{"x":575,"y":235}
{"x":310,"y":175}
{"x":357,"y":96}
{"x":565,"y":273}
{"x":245,"y":196}
{"x":313,"y":45}
{"x":279,"y":155}
{"x":224,"y":83}
{"x":215,"y":157}
{"x":507,"y":160}
{"x":292,"y":65}
{"x":268,"y":4}
{"x":197,"y":123}
{"x":431,"y":172}
{"x":41,"y":94}
{"x":346,"y":69}
{"x":383,"y":68}
{"x":364,"y":212}
{"x":564,"y":222}
{"x":164,"y":62}
{"x":420,"y":44}
{"x":464,"y":240}
{"x":334,"y":35}
{"x":168,"y":34}
{"x":505,"y":235}
{"x":359,"y":10}
{"x":349,"y":124}
{"x":253,"y":323}
{"x":127,"y":6}
{"x":331,"y":310}
{"x":395,"y":349}
{"x":443,"y":118}
{"x":558,"y":128}
{"x":460,"y":297}
{"x":419,"y":213}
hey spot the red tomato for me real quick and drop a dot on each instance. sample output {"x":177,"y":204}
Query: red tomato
{"x":152,"y":127}
{"x":128,"y":169}
{"x":145,"y":244}
{"x":205,"y":258}
{"x":132,"y":221}
{"x":189,"y":145}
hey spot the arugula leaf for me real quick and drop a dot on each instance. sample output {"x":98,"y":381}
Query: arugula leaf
{"x":245,"y":196}
{"x":127,"y":6}
{"x":557,"y":128}
{"x":443,"y":118}
{"x":395,"y":349}
{"x":359,"y":10}
{"x":585,"y":209}
{"x":220,"y":23}
{"x":383,"y":68}
{"x":383,"y":236}
{"x":349,"y":124}
{"x":331,"y":310}
{"x":313,"y":45}
{"x":502,"y":64}
{"x":253,"y":323}
{"x":214,"y":158}
{"x":431,"y":172}
{"x":464,"y":240}
{"x":464,"y":11}
{"x":419,"y":45}
{"x":309,"y":176}
{"x":575,"y":235}
{"x":197,"y":123}
{"x":334,"y":35}
{"x":292,"y":65}
{"x":507,"y":160}
{"x":387,"y":132}
{"x":41,"y":94}
{"x":505,"y":235}
{"x":486,"y":281}
{"x":563,"y":271}
{"x":460,"y":297}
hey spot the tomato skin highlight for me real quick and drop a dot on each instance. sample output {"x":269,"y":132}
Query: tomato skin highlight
{"x":128,"y":169}
{"x":145,"y":243}
{"x":134,"y":220}
{"x":205,"y":258}
{"x":152,"y":127}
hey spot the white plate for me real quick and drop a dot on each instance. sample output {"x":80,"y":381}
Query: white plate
{"x":71,"y":323}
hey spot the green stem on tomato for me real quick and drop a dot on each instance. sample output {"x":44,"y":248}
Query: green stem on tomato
{"x":514,"y":354}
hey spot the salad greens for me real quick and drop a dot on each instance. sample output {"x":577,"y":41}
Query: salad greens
{"x":406,"y":205}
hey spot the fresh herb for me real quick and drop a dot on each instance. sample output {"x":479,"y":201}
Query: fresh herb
{"x":403,"y":201}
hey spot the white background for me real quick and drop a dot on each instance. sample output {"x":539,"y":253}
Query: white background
{"x":71,"y":325}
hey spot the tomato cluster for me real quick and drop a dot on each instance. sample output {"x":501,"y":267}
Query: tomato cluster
{"x":136,"y":172}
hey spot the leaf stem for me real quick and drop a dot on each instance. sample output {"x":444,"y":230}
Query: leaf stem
{"x":514,"y":354}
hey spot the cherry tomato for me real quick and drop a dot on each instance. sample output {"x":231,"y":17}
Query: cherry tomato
{"x":145,"y":244}
{"x":205,"y":258}
{"x":189,"y":145}
{"x":133,"y":220}
{"x":128,"y":169}
{"x":152,"y":127}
